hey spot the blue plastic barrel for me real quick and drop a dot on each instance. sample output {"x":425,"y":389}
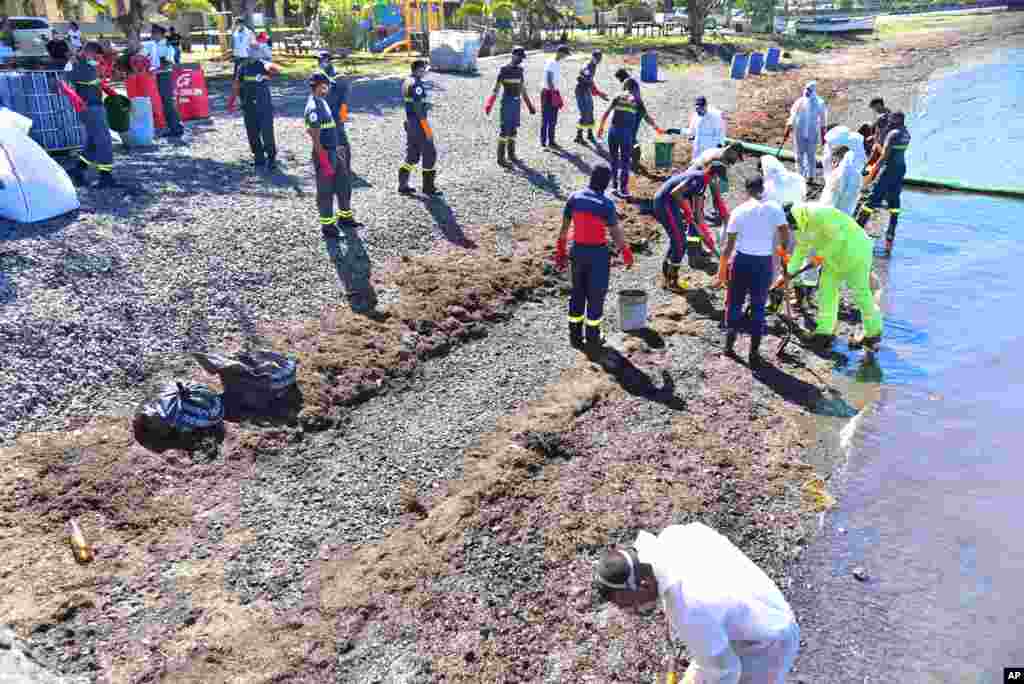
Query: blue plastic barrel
{"x":771,"y":62}
{"x":649,"y":67}
{"x":739,"y":65}
{"x":756,"y":62}
{"x":140,"y":131}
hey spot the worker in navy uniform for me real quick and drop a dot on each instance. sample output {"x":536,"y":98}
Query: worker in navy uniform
{"x":593,"y":217}
{"x":165,"y":82}
{"x":99,"y":147}
{"x":585,"y":91}
{"x":337,"y":99}
{"x":510,"y":77}
{"x":887,"y":175}
{"x":323,"y":131}
{"x":251,"y":83}
{"x":324,"y":64}
{"x":419,"y":138}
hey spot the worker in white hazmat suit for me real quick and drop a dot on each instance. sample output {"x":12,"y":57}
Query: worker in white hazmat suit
{"x":734,"y":620}
{"x":706,"y":129}
{"x":844,"y":161}
{"x":808,"y":119}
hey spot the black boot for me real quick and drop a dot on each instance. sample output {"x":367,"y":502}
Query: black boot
{"x":590,"y":136}
{"x":863,"y":217}
{"x":428,"y":183}
{"x":890,"y":234}
{"x":594,"y":341}
{"x":579,"y":137}
{"x":501,"y":153}
{"x":403,"y":182}
{"x":576,"y":335}
{"x":730,"y":342}
{"x":755,"y":354}
{"x":512,"y":151}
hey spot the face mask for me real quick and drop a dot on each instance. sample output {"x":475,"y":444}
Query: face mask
{"x":91,"y":62}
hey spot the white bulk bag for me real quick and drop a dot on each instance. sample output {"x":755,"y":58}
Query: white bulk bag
{"x":781,"y":185}
{"x":33,"y":187}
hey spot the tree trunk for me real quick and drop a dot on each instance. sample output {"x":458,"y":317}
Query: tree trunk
{"x":130,"y":19}
{"x":696,"y":9}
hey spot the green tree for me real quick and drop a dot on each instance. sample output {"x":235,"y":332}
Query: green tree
{"x":339,"y":24}
{"x":535,"y":15}
{"x":469,"y":11}
{"x":698,"y":12}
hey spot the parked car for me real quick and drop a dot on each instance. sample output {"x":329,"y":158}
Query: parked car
{"x":31,"y":34}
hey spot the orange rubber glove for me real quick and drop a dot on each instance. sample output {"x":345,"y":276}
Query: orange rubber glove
{"x":817,"y":260}
{"x":561,"y":255}
{"x":343,"y":113}
{"x":426,"y":129}
{"x":723,"y":271}
{"x":325,"y":165}
{"x":627,"y":256}
{"x":659,"y":131}
{"x":489,"y":104}
{"x":77,"y":103}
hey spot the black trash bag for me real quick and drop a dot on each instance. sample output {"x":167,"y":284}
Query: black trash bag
{"x":252,"y":380}
{"x":180,"y":408}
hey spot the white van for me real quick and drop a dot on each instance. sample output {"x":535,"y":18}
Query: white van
{"x":31,"y":34}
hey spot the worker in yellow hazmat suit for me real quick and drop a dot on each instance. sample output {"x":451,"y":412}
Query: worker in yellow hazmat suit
{"x":847,"y":251}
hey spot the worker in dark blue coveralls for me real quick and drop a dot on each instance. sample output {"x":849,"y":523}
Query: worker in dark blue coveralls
{"x":888,"y":177}
{"x":510,"y":78}
{"x":252,"y":85}
{"x":419,"y":137}
{"x":165,"y":83}
{"x":323,"y":131}
{"x":626,"y":110}
{"x":681,"y":196}
{"x":586,"y":89}
{"x":593,"y":217}
{"x":99,"y":147}
{"x":337,"y":99}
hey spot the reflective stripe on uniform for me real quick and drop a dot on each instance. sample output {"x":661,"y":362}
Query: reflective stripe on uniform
{"x":407,"y":167}
{"x":328,"y":124}
{"x":575,"y":319}
{"x":582,"y":126}
{"x":104,"y":167}
{"x":594,"y":324}
{"x":88,"y":83}
{"x":894,"y":211}
{"x":425,"y":169}
{"x":85,"y":161}
{"x":252,"y":78}
{"x":625,"y":108}
{"x":344,"y":214}
{"x":328,"y":221}
{"x":899,"y":147}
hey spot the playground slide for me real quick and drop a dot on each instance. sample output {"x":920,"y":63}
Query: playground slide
{"x":383,"y":45}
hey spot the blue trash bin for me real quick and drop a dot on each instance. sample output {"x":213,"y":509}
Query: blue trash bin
{"x":756,"y":63}
{"x":739,"y":65}
{"x":771,"y":61}
{"x":649,"y":67}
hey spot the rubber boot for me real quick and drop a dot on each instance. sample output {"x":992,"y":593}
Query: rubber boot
{"x":671,"y":273}
{"x":730,"y":342}
{"x":512,"y":152}
{"x":501,"y":153}
{"x":863,"y":217}
{"x":77,"y":174}
{"x":579,"y":137}
{"x":594,"y":341}
{"x":576,"y":335}
{"x":890,"y":234}
{"x":403,"y":182}
{"x":428,"y":184}
{"x":754,"y":360}
{"x":590,"y":136}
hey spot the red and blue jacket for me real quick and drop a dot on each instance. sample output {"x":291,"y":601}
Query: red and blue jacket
{"x":592,"y":214}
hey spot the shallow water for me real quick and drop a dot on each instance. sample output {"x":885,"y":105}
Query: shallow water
{"x":932,"y":504}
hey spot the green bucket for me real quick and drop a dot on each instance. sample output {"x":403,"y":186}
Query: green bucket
{"x":663,"y":154}
{"x":119,"y":113}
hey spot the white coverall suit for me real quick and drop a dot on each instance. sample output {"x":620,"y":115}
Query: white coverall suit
{"x":706,"y":132}
{"x":807,"y":117}
{"x":737,"y":626}
{"x":843,"y":184}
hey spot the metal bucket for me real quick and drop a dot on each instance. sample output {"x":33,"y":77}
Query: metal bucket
{"x":632,"y":310}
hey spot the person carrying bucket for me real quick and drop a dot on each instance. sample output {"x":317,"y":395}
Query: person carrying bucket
{"x":752,"y":230}
{"x":846,"y":254}
{"x":888,"y":177}
{"x":510,"y":77}
{"x":257,"y":107}
{"x":586,"y":89}
{"x":593,"y":217}
{"x":628,"y":110}
{"x":681,"y":196}
{"x":98,"y":152}
{"x":808,"y":119}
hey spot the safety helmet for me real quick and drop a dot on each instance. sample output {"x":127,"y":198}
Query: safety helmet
{"x":701,"y":101}
{"x":318,"y":77}
{"x":519,"y":52}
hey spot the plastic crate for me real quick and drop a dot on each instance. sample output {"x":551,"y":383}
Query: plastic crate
{"x":55,"y":124}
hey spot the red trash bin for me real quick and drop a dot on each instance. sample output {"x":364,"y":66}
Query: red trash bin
{"x":191,"y":94}
{"x":144,"y":85}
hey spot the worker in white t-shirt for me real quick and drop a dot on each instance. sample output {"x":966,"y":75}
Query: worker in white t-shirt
{"x":551,"y":98}
{"x":735,"y":622}
{"x":753,"y":228}
{"x":706,"y":129}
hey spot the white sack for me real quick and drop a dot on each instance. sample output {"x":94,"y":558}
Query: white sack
{"x":33,"y":187}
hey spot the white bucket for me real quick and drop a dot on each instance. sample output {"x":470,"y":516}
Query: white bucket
{"x":632,"y":310}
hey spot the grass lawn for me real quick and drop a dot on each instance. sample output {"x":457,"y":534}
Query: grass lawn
{"x":894,"y":25}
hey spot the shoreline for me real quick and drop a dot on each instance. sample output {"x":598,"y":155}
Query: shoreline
{"x":358,"y":603}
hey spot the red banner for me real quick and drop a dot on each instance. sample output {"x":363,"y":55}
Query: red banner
{"x":191,"y":94}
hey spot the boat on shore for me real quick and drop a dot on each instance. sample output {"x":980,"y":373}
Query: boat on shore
{"x":836,"y":24}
